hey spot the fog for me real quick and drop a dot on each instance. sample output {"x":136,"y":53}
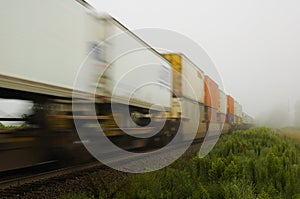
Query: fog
{"x":297,"y":114}
{"x":254,"y":45}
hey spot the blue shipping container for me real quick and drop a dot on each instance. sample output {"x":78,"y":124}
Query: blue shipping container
{"x":230,"y":118}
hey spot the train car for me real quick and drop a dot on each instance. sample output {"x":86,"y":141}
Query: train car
{"x":188,"y":89}
{"x":238,"y":111}
{"x":132,"y":65}
{"x":58,"y":41}
{"x":230,"y":110}
{"x":211,"y":102}
{"x":62,"y":50}
{"x":41,"y":55}
{"x":247,"y":121}
{"x":222,"y":110}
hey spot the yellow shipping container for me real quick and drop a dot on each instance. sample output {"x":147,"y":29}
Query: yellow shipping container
{"x":188,"y":79}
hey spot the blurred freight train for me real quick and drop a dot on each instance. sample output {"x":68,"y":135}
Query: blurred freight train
{"x":43,"y":46}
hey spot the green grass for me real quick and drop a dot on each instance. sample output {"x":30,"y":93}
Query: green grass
{"x":256,"y":163}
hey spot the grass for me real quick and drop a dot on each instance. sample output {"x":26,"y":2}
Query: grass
{"x":251,"y":164}
{"x":292,"y":133}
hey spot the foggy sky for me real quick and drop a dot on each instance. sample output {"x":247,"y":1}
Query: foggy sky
{"x":254,"y":44}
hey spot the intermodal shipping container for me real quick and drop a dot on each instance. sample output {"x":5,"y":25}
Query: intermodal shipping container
{"x":189,"y":113}
{"x":202,"y":123}
{"x":212,"y":114}
{"x":230,"y":105}
{"x":211,"y":90}
{"x":45,"y":50}
{"x":230,"y":118}
{"x":221,"y":117}
{"x":237,"y":120}
{"x":45,"y":43}
{"x":188,"y":79}
{"x":143,"y":77}
{"x":222,"y":102}
{"x":246,"y":119}
{"x":238,"y":109}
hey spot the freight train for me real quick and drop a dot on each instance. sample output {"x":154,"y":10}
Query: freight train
{"x":43,"y":47}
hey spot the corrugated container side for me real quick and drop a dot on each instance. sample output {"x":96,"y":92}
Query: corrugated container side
{"x":202,"y":124}
{"x":235,"y":104}
{"x":47,"y":47}
{"x":188,"y":79}
{"x":176,"y":110}
{"x":230,"y":105}
{"x":211,"y":90}
{"x":189,"y":124}
{"x":202,"y":113}
{"x":221,"y":117}
{"x":193,"y":84}
{"x":212,"y":114}
{"x":176,"y":64}
{"x":246,"y":119}
{"x":222,"y":102}
{"x":237,"y":119}
{"x":142,"y":75}
{"x":238,"y":109}
{"x":230,"y":118}
{"x":214,"y":129}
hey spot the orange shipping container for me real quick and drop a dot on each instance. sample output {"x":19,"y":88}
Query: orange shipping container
{"x":230,"y":105}
{"x":211,"y":90}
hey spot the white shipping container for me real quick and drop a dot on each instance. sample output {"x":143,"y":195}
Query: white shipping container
{"x":193,"y":85}
{"x":222,"y":102}
{"x":136,"y":71}
{"x":238,"y":109}
{"x":247,"y":119}
{"x":190,"y":115}
{"x":46,"y":42}
{"x":188,"y":79}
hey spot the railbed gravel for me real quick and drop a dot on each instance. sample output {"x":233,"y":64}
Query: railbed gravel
{"x":88,"y":181}
{"x":81,"y":183}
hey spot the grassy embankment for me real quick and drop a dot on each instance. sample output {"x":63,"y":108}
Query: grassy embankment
{"x":257,"y":163}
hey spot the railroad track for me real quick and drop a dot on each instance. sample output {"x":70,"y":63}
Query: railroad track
{"x":17,"y":187}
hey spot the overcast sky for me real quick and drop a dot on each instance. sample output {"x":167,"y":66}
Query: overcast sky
{"x":254,"y":44}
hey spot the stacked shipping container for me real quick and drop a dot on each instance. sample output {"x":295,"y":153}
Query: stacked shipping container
{"x":211,"y":95}
{"x":188,"y":81}
{"x":218,"y":107}
{"x":222,"y":106}
{"x":230,"y":109}
{"x":238,"y":112}
{"x":211,"y":98}
{"x":246,"y":119}
{"x":188,"y":91}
